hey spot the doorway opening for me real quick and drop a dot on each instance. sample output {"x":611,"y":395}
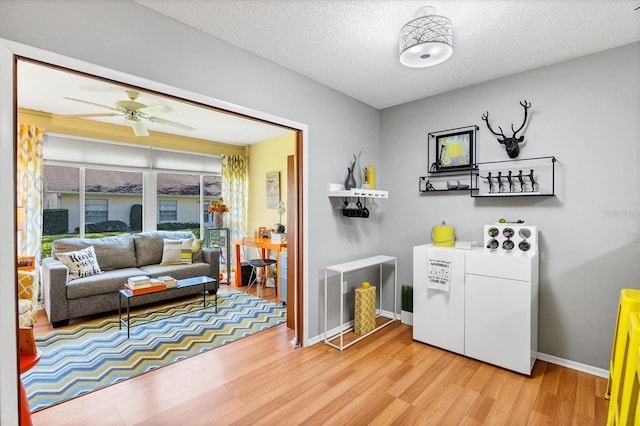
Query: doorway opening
{"x":50,"y":116}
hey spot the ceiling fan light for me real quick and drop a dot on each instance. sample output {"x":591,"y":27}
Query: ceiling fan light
{"x":426,"y":40}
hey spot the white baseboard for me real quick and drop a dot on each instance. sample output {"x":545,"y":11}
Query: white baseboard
{"x":574,"y":365}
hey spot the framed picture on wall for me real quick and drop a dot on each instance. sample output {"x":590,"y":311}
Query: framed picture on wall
{"x":452,"y":150}
{"x":273,"y":190}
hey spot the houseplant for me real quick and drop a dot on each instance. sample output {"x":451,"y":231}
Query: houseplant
{"x":216,"y":210}
{"x":406,"y":312}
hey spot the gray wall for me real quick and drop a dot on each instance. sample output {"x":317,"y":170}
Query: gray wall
{"x":586,"y":113}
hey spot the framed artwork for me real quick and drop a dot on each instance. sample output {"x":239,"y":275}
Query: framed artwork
{"x":273,"y":190}
{"x":453,"y":151}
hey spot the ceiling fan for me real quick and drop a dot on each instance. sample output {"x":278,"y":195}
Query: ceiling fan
{"x":133,"y":112}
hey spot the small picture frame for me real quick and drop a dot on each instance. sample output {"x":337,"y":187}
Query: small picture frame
{"x":454,"y":150}
{"x":26,"y":263}
{"x":273,"y":190}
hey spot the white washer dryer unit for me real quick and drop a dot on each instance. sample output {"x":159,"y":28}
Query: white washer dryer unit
{"x":511,"y":238}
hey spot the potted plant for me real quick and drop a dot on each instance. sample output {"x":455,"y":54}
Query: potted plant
{"x":406,"y":312}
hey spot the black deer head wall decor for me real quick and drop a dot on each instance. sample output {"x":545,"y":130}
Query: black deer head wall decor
{"x":510,"y":144}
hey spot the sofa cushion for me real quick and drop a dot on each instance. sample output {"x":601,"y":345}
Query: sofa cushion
{"x":150,"y":245}
{"x":81,"y":263}
{"x":177,"y":252}
{"x":111,"y":252}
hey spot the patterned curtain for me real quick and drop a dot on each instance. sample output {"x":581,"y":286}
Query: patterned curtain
{"x":234,"y":194}
{"x":30,"y":188}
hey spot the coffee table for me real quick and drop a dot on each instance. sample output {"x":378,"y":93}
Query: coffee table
{"x":187,"y":282}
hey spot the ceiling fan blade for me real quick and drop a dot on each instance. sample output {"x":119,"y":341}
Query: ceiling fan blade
{"x":154,"y":109}
{"x":100,"y":114}
{"x":91,"y":103}
{"x":138,"y":127}
{"x":170,"y":123}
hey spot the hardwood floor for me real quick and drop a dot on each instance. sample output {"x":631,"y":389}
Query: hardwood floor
{"x":386,"y":379}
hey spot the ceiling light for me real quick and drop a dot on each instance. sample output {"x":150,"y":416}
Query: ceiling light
{"x":427,"y":40}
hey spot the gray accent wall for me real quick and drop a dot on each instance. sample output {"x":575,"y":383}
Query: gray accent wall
{"x":586,"y":113}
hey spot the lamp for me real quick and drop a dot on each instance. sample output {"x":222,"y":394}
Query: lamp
{"x":427,"y":40}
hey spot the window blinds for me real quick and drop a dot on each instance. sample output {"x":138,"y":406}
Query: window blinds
{"x":65,"y":150}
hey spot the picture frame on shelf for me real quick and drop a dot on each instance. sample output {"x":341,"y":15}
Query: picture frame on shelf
{"x":453,"y":150}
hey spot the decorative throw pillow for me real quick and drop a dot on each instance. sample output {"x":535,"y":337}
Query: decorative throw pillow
{"x":177,"y":252}
{"x":196,"y":251}
{"x":81,"y":263}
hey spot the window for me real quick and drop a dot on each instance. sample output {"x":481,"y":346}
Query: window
{"x":96,"y":211}
{"x":167,"y":210}
{"x":105,"y":184}
{"x":115,"y":196}
{"x":61,"y":208}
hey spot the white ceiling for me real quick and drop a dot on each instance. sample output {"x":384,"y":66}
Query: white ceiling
{"x":352,"y":45}
{"x":42,"y":88}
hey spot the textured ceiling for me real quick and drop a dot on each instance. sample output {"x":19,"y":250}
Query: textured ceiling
{"x":352,"y":46}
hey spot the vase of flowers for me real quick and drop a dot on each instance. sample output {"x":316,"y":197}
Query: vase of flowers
{"x":216,"y":210}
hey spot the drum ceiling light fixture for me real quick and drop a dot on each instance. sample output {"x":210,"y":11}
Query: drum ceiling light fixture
{"x":427,"y":40}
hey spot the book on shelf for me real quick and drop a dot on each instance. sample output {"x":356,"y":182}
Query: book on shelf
{"x":170,"y":282}
{"x":144,"y":290}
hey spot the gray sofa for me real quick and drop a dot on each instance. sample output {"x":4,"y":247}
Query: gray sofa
{"x":119,"y":258}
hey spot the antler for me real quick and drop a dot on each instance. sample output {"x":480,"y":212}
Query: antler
{"x":485,"y":118}
{"x":526,"y":105}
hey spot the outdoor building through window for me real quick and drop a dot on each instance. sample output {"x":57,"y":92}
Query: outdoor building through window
{"x":96,"y":187}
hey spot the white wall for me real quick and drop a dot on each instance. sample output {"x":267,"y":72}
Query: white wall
{"x":586,"y":113}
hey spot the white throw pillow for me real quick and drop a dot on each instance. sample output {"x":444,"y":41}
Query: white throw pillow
{"x":81,"y":263}
{"x":177,"y":252}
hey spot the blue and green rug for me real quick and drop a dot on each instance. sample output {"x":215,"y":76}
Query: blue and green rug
{"x":85,"y":357}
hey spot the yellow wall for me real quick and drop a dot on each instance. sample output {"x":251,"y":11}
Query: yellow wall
{"x":268,"y":156}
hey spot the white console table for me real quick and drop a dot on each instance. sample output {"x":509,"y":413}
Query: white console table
{"x":355,"y":265}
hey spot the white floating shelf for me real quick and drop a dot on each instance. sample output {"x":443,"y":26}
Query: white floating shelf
{"x":358,"y":192}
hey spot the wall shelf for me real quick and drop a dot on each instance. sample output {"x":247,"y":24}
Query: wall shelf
{"x":354,"y":201}
{"x":359,"y":192}
{"x":527,"y":177}
{"x":439,"y":184}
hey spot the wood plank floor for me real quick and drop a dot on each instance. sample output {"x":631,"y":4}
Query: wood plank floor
{"x":386,"y":379}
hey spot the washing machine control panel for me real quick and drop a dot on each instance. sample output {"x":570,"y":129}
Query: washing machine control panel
{"x":511,"y":238}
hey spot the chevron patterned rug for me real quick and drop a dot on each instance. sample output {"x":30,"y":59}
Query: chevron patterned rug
{"x":85,"y":357}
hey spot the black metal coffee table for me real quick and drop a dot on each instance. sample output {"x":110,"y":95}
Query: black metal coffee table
{"x":188,"y":282}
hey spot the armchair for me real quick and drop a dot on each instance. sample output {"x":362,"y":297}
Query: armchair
{"x":27,"y":298}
